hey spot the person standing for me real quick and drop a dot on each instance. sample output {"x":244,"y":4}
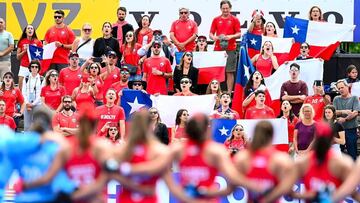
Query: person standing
{"x":121,"y":26}
{"x":6,"y":46}
{"x":70,"y":77}
{"x":260,"y":110}
{"x":304,"y":131}
{"x":224,"y":111}
{"x":225,"y":29}
{"x":84,"y":45}
{"x":319,"y":100}
{"x":347,"y":109}
{"x":63,"y":36}
{"x":183,"y":32}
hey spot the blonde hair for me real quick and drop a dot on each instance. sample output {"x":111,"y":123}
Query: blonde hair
{"x":301,"y":114}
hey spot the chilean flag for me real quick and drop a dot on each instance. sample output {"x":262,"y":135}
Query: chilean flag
{"x":322,"y":37}
{"x":221,"y":130}
{"x":282,"y":46}
{"x":211,"y":65}
{"x":44,"y":54}
{"x":133,"y":100}
{"x":244,"y":70}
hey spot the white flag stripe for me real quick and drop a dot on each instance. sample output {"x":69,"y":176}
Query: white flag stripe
{"x":168,"y":106}
{"x":279,"y":125}
{"x":355,"y":89}
{"x":281,"y":45}
{"x":209,"y":59}
{"x":49,"y":50}
{"x":310,"y":70}
{"x":324,"y":34}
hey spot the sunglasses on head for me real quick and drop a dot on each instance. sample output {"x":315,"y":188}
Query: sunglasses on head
{"x":137,"y":84}
{"x":87,"y":29}
{"x":184,"y":82}
{"x":57,"y":17}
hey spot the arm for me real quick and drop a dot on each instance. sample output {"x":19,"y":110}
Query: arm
{"x":341,"y":139}
{"x":274,"y":62}
{"x":20,"y":53}
{"x":75,"y":44}
{"x":295,"y":141}
{"x":122,"y":129}
{"x":248,"y":99}
{"x":349,"y":184}
{"x":175,"y":188}
{"x":7,"y":50}
{"x":255,"y":58}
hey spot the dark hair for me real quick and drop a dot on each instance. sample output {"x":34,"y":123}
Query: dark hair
{"x":97,"y":65}
{"x":257,"y":92}
{"x":41,"y":120}
{"x":117,"y":136}
{"x":250,"y":83}
{"x":307,"y":44}
{"x":275,"y":32}
{"x":332,"y":108}
{"x":291,"y":112}
{"x":350,"y":68}
{"x":137,"y":31}
{"x":225,"y":2}
{"x":263,"y":135}
{"x":24,"y":35}
{"x":181,"y":64}
{"x":61,"y":12}
{"x":321,"y":16}
{"x":208,"y":88}
{"x":47,"y":76}
{"x":66,"y":97}
{"x":295,"y":65}
{"x":121,"y":8}
{"x":225,"y":93}
{"x":197,"y":127}
{"x":3,"y":83}
{"x":178,"y":115}
{"x":86,"y":129}
{"x":322,"y":144}
{"x":107,"y":22}
{"x":37,"y":62}
{"x":231,"y":137}
{"x":132,"y":44}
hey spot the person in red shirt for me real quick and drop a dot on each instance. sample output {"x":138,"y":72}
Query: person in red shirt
{"x":156,"y":70}
{"x":66,"y":122}
{"x":183,"y":32}
{"x":260,"y":110}
{"x":5,"y":119}
{"x":93,"y":70}
{"x":237,"y":141}
{"x":110,"y":113}
{"x":70,"y":77}
{"x":144,"y":33}
{"x":123,"y":83}
{"x":319,"y":100}
{"x":224,"y":111}
{"x":111,"y":73}
{"x":266,"y":62}
{"x":84,"y":93}
{"x":130,"y":58}
{"x":27,"y":38}
{"x":63,"y":37}
{"x":52,"y":92}
{"x":257,"y":22}
{"x":225,"y":29}
{"x":185,"y":85}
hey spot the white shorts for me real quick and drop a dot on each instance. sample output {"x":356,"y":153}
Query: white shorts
{"x":23,"y":71}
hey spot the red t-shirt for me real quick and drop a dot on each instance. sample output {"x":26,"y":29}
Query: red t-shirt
{"x":83,"y":98}
{"x":264,"y":66}
{"x":268,"y":100}
{"x":7,"y":120}
{"x":156,"y":83}
{"x":148,"y":33}
{"x":52,"y":97}
{"x":255,"y":113}
{"x":317,"y":102}
{"x":257,"y":31}
{"x":105,"y":114}
{"x":99,"y":84}
{"x":291,"y":128}
{"x":63,"y":35}
{"x":111,"y":78}
{"x":183,"y":30}
{"x":11,"y":97}
{"x":24,"y":61}
{"x":70,"y":79}
{"x":65,"y":121}
{"x":130,"y":56}
{"x":225,"y":26}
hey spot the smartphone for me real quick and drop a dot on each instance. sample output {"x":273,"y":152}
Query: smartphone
{"x":97,"y":59}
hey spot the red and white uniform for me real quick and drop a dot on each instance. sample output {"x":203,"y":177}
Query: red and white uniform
{"x":84,"y":98}
{"x":52,"y":97}
{"x":65,"y":36}
{"x":268,"y":100}
{"x":105,"y":114}
{"x":225,"y":26}
{"x":11,"y":97}
{"x":111,"y":78}
{"x":24,"y":61}
{"x":141,"y":35}
{"x":70,"y":79}
{"x":194,"y":170}
{"x":156,"y":83}
{"x":99,"y":84}
{"x":318,"y":103}
{"x":8,"y":121}
{"x":264,"y":66}
{"x":259,"y":171}
{"x":130,"y":56}
{"x":318,"y":176}
{"x":255,"y":113}
{"x":140,"y":154}
{"x":183,"y":30}
{"x":65,"y":121}
{"x":235,"y":144}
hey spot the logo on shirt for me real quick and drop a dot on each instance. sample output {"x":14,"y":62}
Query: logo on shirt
{"x":115,"y":76}
{"x":107,"y":117}
{"x":161,"y":64}
{"x":73,"y":120}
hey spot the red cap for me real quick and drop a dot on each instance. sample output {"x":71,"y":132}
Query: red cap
{"x":323,"y":129}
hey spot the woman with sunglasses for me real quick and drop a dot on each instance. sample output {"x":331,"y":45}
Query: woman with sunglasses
{"x":113,"y":135}
{"x":144,"y":33}
{"x":178,"y":132}
{"x":130,"y":58}
{"x":31,"y":91}
{"x":28,"y":37}
{"x":185,"y":84}
{"x":157,"y":127}
{"x":12,"y":96}
{"x":84,"y":45}
{"x":270,"y":30}
{"x":84,"y":93}
{"x":266,"y":62}
{"x":93,"y":70}
{"x":201,"y":43}
{"x":304,"y":52}
{"x":186,"y":68}
{"x":214,"y":88}
{"x":237,"y":141}
{"x":52,"y":92}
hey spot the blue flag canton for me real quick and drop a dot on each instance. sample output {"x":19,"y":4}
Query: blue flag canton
{"x":36,"y":52}
{"x":221,"y":129}
{"x":254,"y":41}
{"x":296,"y":28}
{"x":245,"y":68}
{"x":134,"y":100}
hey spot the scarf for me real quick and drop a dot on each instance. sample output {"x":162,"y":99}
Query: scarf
{"x":119,"y":24}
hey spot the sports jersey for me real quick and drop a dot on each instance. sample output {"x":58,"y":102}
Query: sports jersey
{"x":109,"y":114}
{"x":156,"y":83}
{"x":8,"y":121}
{"x":130,"y":56}
{"x":318,"y":103}
{"x":264,"y":66}
{"x":255,"y":113}
{"x":225,"y":26}
{"x":11,"y":97}
{"x":70,"y":79}
{"x":62,"y":120}
{"x":83,"y":98}
{"x":183,"y":30}
{"x":268,"y":100}
{"x":52,"y":97}
{"x":111,"y":78}
{"x":24,"y":61}
{"x":180,"y":132}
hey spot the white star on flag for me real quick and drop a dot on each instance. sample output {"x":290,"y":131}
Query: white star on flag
{"x":135,"y":105}
{"x":37,"y":52}
{"x":295,"y":30}
{"x":223,"y":131}
{"x":253,"y":41}
{"x":247,"y":73}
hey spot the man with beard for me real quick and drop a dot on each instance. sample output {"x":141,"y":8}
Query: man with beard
{"x":63,"y":37}
{"x":110,"y":114}
{"x":260,"y":110}
{"x":224,"y":111}
{"x":121,"y":27}
{"x":70,"y":77}
{"x":156,"y":70}
{"x":124,"y":79}
{"x":66,"y":122}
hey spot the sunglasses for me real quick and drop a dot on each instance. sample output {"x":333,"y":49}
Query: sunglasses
{"x":153,"y":112}
{"x":74,"y":58}
{"x":184,"y":82}
{"x":87,"y":30}
{"x":137,"y":84}
{"x":113,"y":129}
{"x":183,"y":12}
{"x":54,"y":75}
{"x":8,"y":77}
{"x":124,"y":72}
{"x":34,"y":66}
{"x":128,"y":35}
{"x":304,"y":47}
{"x":57,"y":17}
{"x":93,"y":67}
{"x":188,"y":55}
{"x":67,"y":102}
{"x":201,"y":40}
{"x":156,"y":47}
{"x":239,"y":129}
{"x":294,"y":70}
{"x":214,"y":82}
{"x":112,"y":57}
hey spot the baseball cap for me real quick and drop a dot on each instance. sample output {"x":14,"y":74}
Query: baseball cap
{"x":156,"y":42}
{"x":157,"y":32}
{"x":111,"y":53}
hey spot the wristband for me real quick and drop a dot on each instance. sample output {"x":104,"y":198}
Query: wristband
{"x":125,"y":168}
{"x":163,"y":73}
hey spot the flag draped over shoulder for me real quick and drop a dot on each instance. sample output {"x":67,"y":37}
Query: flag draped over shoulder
{"x":44,"y":55}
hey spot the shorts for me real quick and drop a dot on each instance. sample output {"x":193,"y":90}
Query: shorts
{"x":231,"y":62}
{"x":23,"y":71}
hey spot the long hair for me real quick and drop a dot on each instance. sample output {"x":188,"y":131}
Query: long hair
{"x":250,"y":82}
{"x":291,"y":112}
{"x":262,"y":47}
{"x":12,"y":83}
{"x":178,"y":115}
{"x":324,"y":135}
{"x":132,"y":43}
{"x":47,"y":76}
{"x":321,"y":15}
{"x":137,"y":31}
{"x":263,"y":135}
{"x":86,"y":129}
{"x":332,"y":108}
{"x":208,"y":88}
{"x":197,"y":127}
{"x":41,"y":120}
{"x":232,"y":132}
{"x":181,"y":64}
{"x":24,"y":35}
{"x":158,"y":120}
{"x":275,"y":32}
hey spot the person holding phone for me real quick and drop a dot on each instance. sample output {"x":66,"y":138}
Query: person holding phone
{"x":319,"y":100}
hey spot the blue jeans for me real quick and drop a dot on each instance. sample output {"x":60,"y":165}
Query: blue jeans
{"x":351,"y":142}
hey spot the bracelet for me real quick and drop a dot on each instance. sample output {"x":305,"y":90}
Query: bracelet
{"x":163,"y":73}
{"x":125,"y":168}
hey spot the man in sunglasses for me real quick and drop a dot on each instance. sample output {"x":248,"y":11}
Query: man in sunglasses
{"x":66,"y":122}
{"x":63,"y":36}
{"x":260,"y":110}
{"x":156,"y":70}
{"x":6,"y":46}
{"x":183,"y":31}
{"x":124,"y":80}
{"x":111,"y":74}
{"x":70,"y":77}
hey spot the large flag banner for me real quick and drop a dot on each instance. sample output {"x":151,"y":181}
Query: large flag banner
{"x":133,"y":100}
{"x":211,"y":65}
{"x":44,"y":54}
{"x":244,"y":70}
{"x":322,"y":37}
{"x":282,"y":46}
{"x":310,"y":70}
